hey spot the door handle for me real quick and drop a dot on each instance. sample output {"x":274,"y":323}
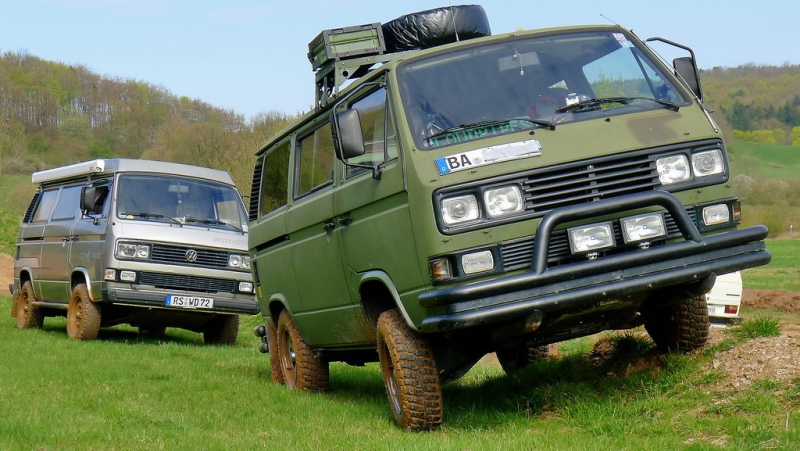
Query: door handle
{"x":330,"y":225}
{"x":345,"y":221}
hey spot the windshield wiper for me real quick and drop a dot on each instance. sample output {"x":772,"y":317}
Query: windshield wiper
{"x":588,"y":103}
{"x":152,"y":215}
{"x":213,"y":222}
{"x":489,"y":123}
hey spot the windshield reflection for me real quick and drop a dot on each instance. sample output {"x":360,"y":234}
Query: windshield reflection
{"x":164,"y":198}
{"x":523,"y":84}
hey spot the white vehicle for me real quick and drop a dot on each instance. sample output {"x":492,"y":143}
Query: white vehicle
{"x":724,"y":299}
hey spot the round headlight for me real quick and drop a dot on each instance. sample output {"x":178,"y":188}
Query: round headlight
{"x":673,"y":169}
{"x":460,"y":209}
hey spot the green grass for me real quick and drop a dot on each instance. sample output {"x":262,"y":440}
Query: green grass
{"x":782,"y":273}
{"x":125,"y":392}
{"x":765,"y":160}
{"x":762,"y":325}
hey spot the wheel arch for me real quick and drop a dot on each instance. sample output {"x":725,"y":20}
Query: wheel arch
{"x":378,"y":294}
{"x":81,"y":275}
{"x":275,"y":305}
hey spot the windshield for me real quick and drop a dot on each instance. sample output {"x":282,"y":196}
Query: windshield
{"x":532,"y":83}
{"x":179,"y":200}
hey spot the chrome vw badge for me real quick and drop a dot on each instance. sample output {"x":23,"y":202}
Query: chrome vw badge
{"x":191,"y":255}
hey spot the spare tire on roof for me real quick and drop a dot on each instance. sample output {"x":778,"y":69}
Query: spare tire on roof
{"x":434,"y":27}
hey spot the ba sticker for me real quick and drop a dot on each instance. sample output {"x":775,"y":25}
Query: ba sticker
{"x":488,"y":155}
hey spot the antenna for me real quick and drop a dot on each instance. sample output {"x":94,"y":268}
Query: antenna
{"x":606,"y":18}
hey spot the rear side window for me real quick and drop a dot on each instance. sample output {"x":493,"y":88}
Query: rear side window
{"x":67,"y":204}
{"x":45,"y":207}
{"x":314,"y":161}
{"x":274,"y":181}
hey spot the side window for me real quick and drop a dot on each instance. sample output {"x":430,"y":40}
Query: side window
{"x":314,"y":161}
{"x":379,"y":141}
{"x":46,"y":203}
{"x":274,"y":179}
{"x":68,"y":203}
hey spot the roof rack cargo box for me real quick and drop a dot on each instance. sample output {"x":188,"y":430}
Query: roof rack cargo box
{"x":349,"y":42}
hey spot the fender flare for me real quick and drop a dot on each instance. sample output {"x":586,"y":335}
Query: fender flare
{"x":386,"y":280}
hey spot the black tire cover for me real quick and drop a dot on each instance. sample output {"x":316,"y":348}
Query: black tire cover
{"x":434,"y":27}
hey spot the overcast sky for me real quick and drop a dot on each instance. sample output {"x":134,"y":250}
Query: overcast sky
{"x":250,"y":55}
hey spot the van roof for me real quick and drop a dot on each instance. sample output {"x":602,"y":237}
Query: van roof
{"x":114,"y":165}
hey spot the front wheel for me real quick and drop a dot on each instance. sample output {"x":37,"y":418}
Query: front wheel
{"x":83,"y":315}
{"x":680,"y":327}
{"x":274,"y":355}
{"x":409,"y":373}
{"x":29,"y":316}
{"x":301,"y":369}
{"x":223,"y":330}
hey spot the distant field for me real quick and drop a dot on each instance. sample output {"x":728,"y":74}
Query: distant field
{"x":765,"y":160}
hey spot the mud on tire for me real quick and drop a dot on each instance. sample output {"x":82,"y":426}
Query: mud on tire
{"x":83,"y":315}
{"x":222,"y":331}
{"x":680,"y":327}
{"x":301,"y":369}
{"x":518,"y":357}
{"x":409,"y":373}
{"x":274,"y":358}
{"x":28,"y":315}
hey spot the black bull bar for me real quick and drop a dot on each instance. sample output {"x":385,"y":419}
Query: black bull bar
{"x":585,"y":283}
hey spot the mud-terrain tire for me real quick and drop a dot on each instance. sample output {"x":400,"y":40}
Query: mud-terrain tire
{"x":222,"y":331}
{"x":680,"y":327}
{"x":83,"y":315}
{"x":301,"y":368}
{"x":518,"y":357}
{"x":15,"y":303}
{"x":409,"y":373}
{"x":274,"y":358}
{"x":29,"y":316}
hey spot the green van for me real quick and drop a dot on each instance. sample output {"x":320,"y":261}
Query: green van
{"x":454,"y":194}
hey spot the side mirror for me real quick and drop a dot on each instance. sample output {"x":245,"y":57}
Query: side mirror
{"x":347,"y":135}
{"x":686,"y":69}
{"x":88,"y":198}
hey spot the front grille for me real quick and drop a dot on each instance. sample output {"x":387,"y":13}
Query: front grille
{"x":518,"y":254}
{"x":188,"y":283}
{"x":557,"y":187}
{"x":176,"y":255}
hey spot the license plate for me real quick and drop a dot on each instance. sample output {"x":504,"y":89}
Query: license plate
{"x":712,"y":310}
{"x":189,"y":301}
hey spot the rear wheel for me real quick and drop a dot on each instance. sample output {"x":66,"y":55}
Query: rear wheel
{"x":83,"y":315}
{"x":680,"y":327}
{"x":274,"y":357}
{"x":409,"y":373}
{"x":15,"y":303}
{"x":516,"y":358}
{"x":223,"y":330}
{"x":300,"y":368}
{"x":29,"y":316}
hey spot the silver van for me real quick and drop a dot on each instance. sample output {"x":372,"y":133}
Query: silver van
{"x":146,"y":243}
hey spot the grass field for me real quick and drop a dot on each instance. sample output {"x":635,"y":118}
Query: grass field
{"x":125,"y":392}
{"x":765,"y":160}
{"x":783,"y":272}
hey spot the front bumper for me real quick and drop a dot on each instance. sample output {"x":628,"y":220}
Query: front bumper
{"x":223,"y":303}
{"x":586,"y":283}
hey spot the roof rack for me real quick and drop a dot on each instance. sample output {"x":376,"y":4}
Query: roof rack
{"x":339,"y":54}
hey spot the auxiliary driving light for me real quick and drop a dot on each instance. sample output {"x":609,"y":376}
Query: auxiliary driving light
{"x":643,"y":227}
{"x":716,"y":214}
{"x":477,"y":262}
{"x":592,"y":237}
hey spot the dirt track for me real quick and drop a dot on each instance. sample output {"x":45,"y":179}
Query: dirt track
{"x":6,"y":273}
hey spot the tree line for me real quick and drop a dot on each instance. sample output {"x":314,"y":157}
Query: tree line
{"x":755,"y":103}
{"x":52,"y":114}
